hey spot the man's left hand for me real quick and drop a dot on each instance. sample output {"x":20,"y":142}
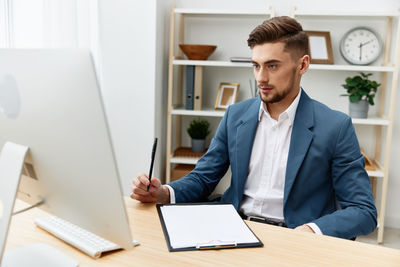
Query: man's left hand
{"x":304,"y":228}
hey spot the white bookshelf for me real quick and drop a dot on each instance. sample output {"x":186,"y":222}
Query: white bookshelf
{"x":389,"y":71}
{"x":383,"y":124}
{"x":175,"y":59}
{"x":350,"y":14}
{"x":182,"y":160}
{"x":219,"y":113}
{"x":377,"y":173}
{"x":211,"y":63}
{"x":221,"y":12}
{"x":351,"y":68}
{"x":216,"y":63}
{"x":204,"y":113}
{"x":371,"y":121}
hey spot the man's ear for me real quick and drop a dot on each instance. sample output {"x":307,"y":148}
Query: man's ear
{"x":304,"y":63}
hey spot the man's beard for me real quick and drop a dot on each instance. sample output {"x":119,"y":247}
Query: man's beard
{"x":275,"y":97}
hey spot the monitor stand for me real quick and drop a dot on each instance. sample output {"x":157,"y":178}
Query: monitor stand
{"x":37,"y":255}
{"x":12,"y":159}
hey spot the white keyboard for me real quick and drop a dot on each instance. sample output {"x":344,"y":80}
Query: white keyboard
{"x":86,"y":241}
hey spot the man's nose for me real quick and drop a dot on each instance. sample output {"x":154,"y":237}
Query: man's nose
{"x":262,"y":76}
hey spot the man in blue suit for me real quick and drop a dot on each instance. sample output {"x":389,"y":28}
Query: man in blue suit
{"x":294,"y":161}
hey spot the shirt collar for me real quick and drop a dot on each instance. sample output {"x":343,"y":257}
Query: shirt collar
{"x":290,"y":111}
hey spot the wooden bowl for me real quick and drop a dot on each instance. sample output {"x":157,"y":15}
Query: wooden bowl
{"x":197,"y":52}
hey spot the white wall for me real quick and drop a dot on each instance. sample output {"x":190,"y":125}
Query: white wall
{"x":127,"y":33}
{"x":134,"y":41}
{"x":160,"y":122}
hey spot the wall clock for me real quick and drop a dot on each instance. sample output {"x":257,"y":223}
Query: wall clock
{"x":361,"y":46}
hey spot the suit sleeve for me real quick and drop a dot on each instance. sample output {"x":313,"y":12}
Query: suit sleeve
{"x":357,"y":213}
{"x":199,"y":184}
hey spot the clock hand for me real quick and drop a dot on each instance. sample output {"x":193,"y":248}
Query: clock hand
{"x":360,"y":46}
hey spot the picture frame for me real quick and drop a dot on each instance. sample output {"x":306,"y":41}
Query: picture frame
{"x":320,"y":46}
{"x":227,"y":95}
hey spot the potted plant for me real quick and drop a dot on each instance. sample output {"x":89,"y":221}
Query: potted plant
{"x":198,"y":131}
{"x":361,"y":92}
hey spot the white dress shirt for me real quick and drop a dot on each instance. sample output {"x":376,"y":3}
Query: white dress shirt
{"x":263,"y":191}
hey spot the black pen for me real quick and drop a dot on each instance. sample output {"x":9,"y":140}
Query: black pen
{"x":153,"y":154}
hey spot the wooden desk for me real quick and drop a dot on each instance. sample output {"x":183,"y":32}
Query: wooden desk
{"x":282,"y":247}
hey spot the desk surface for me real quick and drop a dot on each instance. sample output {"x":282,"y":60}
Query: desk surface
{"x":282,"y":246}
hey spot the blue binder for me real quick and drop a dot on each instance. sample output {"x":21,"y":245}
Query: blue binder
{"x":189,"y":87}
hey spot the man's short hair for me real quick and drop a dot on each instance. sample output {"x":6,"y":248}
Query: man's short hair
{"x":281,"y":29}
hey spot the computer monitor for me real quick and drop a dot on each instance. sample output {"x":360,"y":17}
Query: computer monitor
{"x":50,"y":102}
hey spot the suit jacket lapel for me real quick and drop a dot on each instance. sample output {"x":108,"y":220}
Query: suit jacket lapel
{"x":245,"y":134}
{"x":300,"y":141}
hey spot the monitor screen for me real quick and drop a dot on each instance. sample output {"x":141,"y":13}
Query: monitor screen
{"x":50,"y":102}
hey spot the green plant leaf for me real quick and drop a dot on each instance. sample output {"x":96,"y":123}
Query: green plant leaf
{"x":365,"y":75}
{"x":348,"y":79}
{"x":198,"y":129}
{"x":364,"y":91}
{"x":374,"y":84}
{"x":353,"y":83}
{"x":357,"y":79}
{"x":360,"y":87}
{"x":355,"y":98}
{"x":371,"y":100}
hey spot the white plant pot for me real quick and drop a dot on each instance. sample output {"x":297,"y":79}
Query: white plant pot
{"x":359,"y":109}
{"x":198,"y":145}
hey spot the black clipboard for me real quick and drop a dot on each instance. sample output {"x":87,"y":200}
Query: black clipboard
{"x":208,"y":245}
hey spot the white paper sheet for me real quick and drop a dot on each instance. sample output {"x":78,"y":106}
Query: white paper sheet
{"x":192,"y":225}
{"x":318,"y":47}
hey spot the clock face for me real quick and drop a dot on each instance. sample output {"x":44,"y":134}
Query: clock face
{"x":360,"y":46}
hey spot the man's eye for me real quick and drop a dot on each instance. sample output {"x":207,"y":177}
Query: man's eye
{"x":256,"y":66}
{"x":272,"y":66}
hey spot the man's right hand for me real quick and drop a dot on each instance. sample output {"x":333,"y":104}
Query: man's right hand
{"x":157,"y":193}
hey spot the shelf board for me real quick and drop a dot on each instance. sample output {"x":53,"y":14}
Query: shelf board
{"x":184,"y":160}
{"x":217,"y":63}
{"x":185,"y":155}
{"x":351,"y":14}
{"x":211,"y":63}
{"x":220,"y":113}
{"x":351,"y":68}
{"x":371,"y":121}
{"x":221,"y":12}
{"x":206,"y":113}
{"x":377,"y":173}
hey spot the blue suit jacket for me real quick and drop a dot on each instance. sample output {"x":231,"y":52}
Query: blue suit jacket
{"x":325,"y":182}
